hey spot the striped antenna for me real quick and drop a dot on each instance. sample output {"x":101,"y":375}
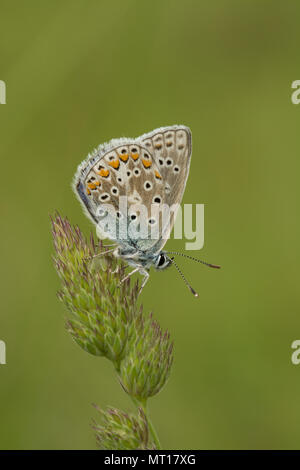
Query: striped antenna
{"x":183,"y":277}
{"x":192,"y":258}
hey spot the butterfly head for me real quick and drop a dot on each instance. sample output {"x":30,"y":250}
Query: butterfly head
{"x":162,"y":261}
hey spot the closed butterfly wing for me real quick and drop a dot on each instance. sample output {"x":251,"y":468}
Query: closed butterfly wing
{"x":150,"y":171}
{"x":171,"y":148}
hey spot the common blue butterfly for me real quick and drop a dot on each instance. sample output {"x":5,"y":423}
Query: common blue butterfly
{"x":149,"y":171}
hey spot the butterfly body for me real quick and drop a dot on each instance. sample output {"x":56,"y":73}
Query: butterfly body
{"x":149,"y":171}
{"x":143,"y":259}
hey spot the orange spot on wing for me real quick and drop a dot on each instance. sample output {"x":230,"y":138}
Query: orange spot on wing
{"x":157,"y":175}
{"x":103,"y":172}
{"x":115,"y":164}
{"x":135,"y":156}
{"x":93,"y":185}
{"x":124,"y":157}
{"x":147,"y":163}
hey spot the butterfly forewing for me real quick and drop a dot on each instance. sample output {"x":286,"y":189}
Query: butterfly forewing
{"x":171,"y":148}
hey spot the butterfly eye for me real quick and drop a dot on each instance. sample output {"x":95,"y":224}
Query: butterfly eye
{"x":169,"y":161}
{"x":119,"y":215}
{"x":137,"y":172}
{"x":148,"y":185}
{"x":160,"y":161}
{"x":123,"y":151}
{"x":105,"y":197}
{"x":157,"y":199}
{"x":133,"y":216}
{"x":128,"y":173}
{"x":176,"y":169}
{"x":151,"y":221}
{"x":161,"y":261}
{"x":119,"y":179}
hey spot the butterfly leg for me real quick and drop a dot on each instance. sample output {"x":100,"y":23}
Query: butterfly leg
{"x":146,"y":277}
{"x":99,"y":254}
{"x":118,"y":268}
{"x":130,"y":274}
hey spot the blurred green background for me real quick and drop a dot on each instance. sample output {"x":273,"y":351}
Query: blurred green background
{"x":81,"y":72}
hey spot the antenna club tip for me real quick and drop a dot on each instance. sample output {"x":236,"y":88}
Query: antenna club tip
{"x":194,"y":292}
{"x":215,"y":266}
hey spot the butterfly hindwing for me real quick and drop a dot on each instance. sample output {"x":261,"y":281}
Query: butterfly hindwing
{"x":120,"y":170}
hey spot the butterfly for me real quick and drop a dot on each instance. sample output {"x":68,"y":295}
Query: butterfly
{"x":149,"y":172}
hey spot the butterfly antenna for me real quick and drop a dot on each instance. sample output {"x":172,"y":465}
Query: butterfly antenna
{"x":194,"y":259}
{"x":183,"y":277}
